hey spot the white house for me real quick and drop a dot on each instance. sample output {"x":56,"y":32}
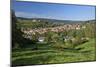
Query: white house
{"x":34,"y":20}
{"x":41,"y":39}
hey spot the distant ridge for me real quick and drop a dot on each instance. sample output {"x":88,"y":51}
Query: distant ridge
{"x":54,"y":20}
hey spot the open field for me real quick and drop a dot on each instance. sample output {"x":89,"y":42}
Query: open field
{"x":48,"y":55}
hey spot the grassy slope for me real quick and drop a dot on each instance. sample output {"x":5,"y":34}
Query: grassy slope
{"x":49,"y":56}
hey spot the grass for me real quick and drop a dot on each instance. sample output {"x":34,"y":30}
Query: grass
{"x":83,"y":52}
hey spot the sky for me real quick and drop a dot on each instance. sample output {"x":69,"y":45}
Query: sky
{"x":53,"y":11}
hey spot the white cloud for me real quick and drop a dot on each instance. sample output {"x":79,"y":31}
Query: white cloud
{"x":25,"y":14}
{"x":31,"y":15}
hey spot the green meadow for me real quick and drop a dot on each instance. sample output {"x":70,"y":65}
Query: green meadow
{"x":49,"y":55}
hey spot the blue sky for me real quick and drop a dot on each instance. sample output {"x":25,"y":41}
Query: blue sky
{"x":53,"y":11}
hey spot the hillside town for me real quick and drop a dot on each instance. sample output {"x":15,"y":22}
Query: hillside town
{"x":28,"y":33}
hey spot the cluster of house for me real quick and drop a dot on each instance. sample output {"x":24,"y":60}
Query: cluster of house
{"x":66,"y":27}
{"x":53,"y":29}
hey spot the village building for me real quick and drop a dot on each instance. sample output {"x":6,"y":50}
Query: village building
{"x":41,"y":39}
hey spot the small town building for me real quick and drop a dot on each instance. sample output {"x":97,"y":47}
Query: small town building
{"x":41,"y":39}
